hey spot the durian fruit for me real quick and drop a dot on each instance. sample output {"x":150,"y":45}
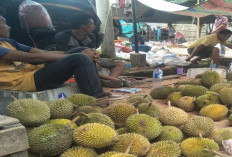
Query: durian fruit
{"x":181,"y":88}
{"x":98,"y":118}
{"x":226,"y":96}
{"x":89,"y":109}
{"x":29,"y":112}
{"x":144,"y":125}
{"x":122,"y":155}
{"x":212,"y":93}
{"x":119,"y":113}
{"x":149,"y":109}
{"x":221,"y":135}
{"x":171,"y":133}
{"x":207,"y":99}
{"x":194,"y":90}
{"x":198,"y":76}
{"x":82,"y":100}
{"x":173,"y":116}
{"x":60,"y":108}
{"x":162,"y":92}
{"x":214,"y":111}
{"x":210,"y":78}
{"x":174,"y":97}
{"x":164,"y":149}
{"x":230,"y":118}
{"x":217,"y":87}
{"x":197,"y":81}
{"x":198,"y":125}
{"x":196,"y":147}
{"x":79,"y":152}
{"x":108,"y":154}
{"x":186,"y":103}
{"x":50,"y":139}
{"x":94,"y":135}
{"x":137,"y":99}
{"x":140,"y":145}
{"x":229,"y":76}
{"x":61,"y":121}
{"x":122,"y":130}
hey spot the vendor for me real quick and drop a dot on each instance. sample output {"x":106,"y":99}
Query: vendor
{"x":17,"y":74}
{"x":205,"y":47}
{"x":81,"y":36}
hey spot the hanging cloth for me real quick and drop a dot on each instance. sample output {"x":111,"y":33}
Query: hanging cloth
{"x":122,"y":4}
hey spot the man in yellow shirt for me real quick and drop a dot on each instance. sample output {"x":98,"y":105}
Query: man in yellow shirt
{"x":205,"y":47}
{"x":17,"y":74}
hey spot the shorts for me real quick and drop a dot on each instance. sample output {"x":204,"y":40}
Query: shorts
{"x":205,"y":53}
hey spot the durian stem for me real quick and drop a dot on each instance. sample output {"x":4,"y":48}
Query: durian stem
{"x":129,"y":147}
{"x":200,"y":135}
{"x":169,"y":104}
{"x":74,"y":113}
{"x":13,"y":97}
{"x":213,"y":151}
{"x":84,"y":114}
{"x":149,"y":105}
{"x":74,"y":120}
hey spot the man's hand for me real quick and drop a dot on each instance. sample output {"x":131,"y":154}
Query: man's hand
{"x":93,"y":55}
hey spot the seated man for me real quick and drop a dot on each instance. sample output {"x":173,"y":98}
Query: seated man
{"x":205,"y":47}
{"x":18,"y":73}
{"x":81,"y":36}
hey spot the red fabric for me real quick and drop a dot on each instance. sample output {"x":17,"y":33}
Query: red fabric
{"x":179,"y":35}
{"x":122,"y":4}
{"x":222,"y":20}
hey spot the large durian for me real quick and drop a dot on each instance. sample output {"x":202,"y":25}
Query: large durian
{"x":194,"y":90}
{"x":61,"y":121}
{"x":60,"y":108}
{"x":220,"y":135}
{"x":149,"y":109}
{"x":50,"y":139}
{"x":29,"y":112}
{"x":217,"y":87}
{"x":171,"y":133}
{"x":210,"y":78}
{"x":226,"y":96}
{"x":199,"y":147}
{"x":186,"y":103}
{"x":82,"y":100}
{"x":137,"y":99}
{"x":94,"y":135}
{"x":145,"y":125}
{"x":207,"y":99}
{"x":162,"y":92}
{"x":140,"y":145}
{"x":120,"y":112}
{"x":198,"y":125}
{"x":164,"y":149}
{"x":214,"y":111}
{"x":174,"y":97}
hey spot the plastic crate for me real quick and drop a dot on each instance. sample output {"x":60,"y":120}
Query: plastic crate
{"x":47,"y":95}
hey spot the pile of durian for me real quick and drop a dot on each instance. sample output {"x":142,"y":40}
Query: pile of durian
{"x":78,"y":127}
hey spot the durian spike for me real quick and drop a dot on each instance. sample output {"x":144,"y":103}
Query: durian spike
{"x":215,"y":152}
{"x":84,"y":114}
{"x":74,"y":120}
{"x":169,"y":104}
{"x":211,"y":66}
{"x":74,"y":113}
{"x":200,"y":135}
{"x":13,"y":97}
{"x":129,"y":147}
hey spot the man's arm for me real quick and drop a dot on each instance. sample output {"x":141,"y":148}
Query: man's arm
{"x":227,"y":44}
{"x":21,"y":56}
{"x":221,"y":27}
{"x":196,"y":49}
{"x":39,"y":51}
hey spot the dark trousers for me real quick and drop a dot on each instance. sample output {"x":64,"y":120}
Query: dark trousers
{"x":54,"y":74}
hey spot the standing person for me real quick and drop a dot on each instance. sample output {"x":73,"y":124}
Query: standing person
{"x":158,"y":36}
{"x":17,"y":71}
{"x":116,"y":32}
{"x":221,"y":22}
{"x":205,"y":46}
{"x":171,"y":32}
{"x":81,"y":37}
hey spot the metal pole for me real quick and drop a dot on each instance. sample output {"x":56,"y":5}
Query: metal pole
{"x":135,"y":26}
{"x":198,"y":24}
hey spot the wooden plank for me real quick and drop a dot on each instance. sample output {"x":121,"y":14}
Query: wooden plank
{"x":4,"y":120}
{"x":13,"y":139}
